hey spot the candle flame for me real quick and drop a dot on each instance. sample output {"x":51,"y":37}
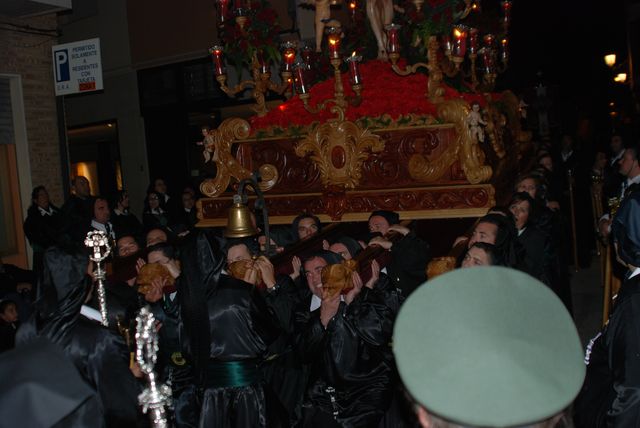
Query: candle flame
{"x":352,"y":5}
{"x":457,"y":33}
{"x":353,"y":54}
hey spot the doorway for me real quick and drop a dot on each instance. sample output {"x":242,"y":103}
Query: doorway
{"x":94,"y":153}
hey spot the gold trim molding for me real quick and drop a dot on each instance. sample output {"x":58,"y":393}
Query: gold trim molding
{"x":338,"y":148}
{"x":221,"y":140}
{"x":465,"y":149}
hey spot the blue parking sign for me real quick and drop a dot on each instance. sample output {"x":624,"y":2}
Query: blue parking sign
{"x":61,"y":58}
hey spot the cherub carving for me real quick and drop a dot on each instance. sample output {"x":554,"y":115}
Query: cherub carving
{"x":476,"y":123}
{"x":207,"y":144}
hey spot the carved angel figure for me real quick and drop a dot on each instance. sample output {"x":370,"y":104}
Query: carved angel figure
{"x":476,"y":123}
{"x":207,"y":143}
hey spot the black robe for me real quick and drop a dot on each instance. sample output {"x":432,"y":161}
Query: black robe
{"x":536,"y":258}
{"x":126,"y":224}
{"x":408,"y":266}
{"x":283,"y":369}
{"x":350,"y":365}
{"x":227,"y":330}
{"x":100,"y":355}
{"x":42,"y":231}
{"x":610,"y":396}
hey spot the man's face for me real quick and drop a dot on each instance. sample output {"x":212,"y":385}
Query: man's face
{"x":154,"y":200}
{"x":313,"y":272}
{"x":377,"y":223}
{"x":82,"y":187}
{"x":237,"y":253}
{"x":10,"y":314}
{"x":475,"y":257}
{"x":157,"y":257}
{"x":484,"y":232}
{"x":101,"y":211}
{"x":187,"y":200}
{"x":42,"y":199}
{"x":616,"y":144}
{"x":628,"y":165}
{"x":307,"y":228}
{"x":547,"y":163}
{"x":124,"y":202}
{"x":156,"y":235}
{"x":528,"y":185}
{"x":160,"y":186}
{"x":127,"y":246}
{"x":520,"y":211}
{"x":341,"y":249}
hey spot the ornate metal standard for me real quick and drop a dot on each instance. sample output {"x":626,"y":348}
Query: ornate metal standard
{"x":99,"y":244}
{"x":155,"y":397}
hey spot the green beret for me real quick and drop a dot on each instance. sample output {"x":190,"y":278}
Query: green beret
{"x":488,"y":346}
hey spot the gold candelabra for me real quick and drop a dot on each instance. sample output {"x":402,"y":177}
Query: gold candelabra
{"x":261,"y":77}
{"x":463,"y":41}
{"x":339,"y":100}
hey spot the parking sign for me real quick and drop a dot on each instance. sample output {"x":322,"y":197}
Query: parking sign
{"x":77,"y":67}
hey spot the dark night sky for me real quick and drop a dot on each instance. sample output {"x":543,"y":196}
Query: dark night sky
{"x":567,"y":41}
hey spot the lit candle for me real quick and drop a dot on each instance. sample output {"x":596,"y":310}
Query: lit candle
{"x":223,"y":5}
{"x":218,"y":63}
{"x":393,"y":38}
{"x":262,"y":62}
{"x":459,"y":41}
{"x":488,"y":40}
{"x":333,"y":37}
{"x":288,"y":55}
{"x":300,"y":78}
{"x":504,"y":52}
{"x":352,"y":8}
{"x":473,"y":41}
{"x":239,"y":8}
{"x":446,"y":43}
{"x":487,"y":59}
{"x":306,"y":53}
{"x":506,"y":10}
{"x":354,"y":70}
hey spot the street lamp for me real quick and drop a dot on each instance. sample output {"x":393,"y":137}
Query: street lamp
{"x":610,"y":60}
{"x":620,"y":78}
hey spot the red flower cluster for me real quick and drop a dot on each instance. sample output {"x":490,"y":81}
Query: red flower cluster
{"x":384,"y":92}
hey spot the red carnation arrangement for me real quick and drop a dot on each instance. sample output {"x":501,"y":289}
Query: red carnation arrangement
{"x":384,"y":93}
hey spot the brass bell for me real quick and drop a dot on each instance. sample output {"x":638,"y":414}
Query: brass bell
{"x":239,"y":222}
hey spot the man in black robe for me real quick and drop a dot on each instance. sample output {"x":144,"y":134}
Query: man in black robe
{"x":99,"y":354}
{"x":77,"y":211}
{"x":409,"y":254}
{"x":43,"y":225}
{"x":609,"y":397}
{"x":227,"y":331}
{"x":344,"y":340}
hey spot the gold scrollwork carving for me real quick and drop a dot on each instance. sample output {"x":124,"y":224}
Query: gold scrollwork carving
{"x":338,"y":148}
{"x":221,"y":140}
{"x":465,"y":148}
